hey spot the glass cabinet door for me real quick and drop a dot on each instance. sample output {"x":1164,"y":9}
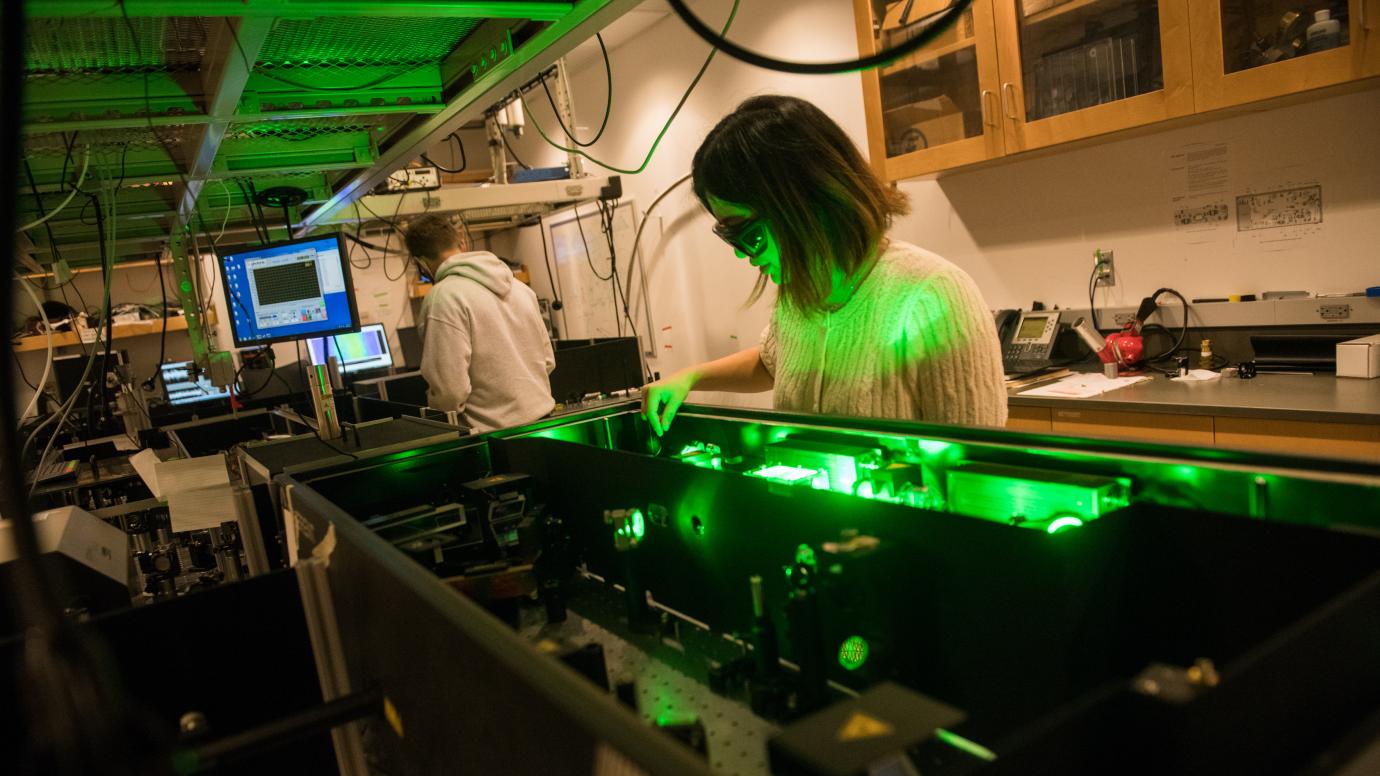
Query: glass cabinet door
{"x":1076,"y":68}
{"x":937,"y":107}
{"x":1249,"y":50}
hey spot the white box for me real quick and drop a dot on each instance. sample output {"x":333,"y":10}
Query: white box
{"x":1359,"y":357}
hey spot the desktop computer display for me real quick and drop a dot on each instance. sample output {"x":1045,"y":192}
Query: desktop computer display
{"x":288,"y":291}
{"x":355,"y":352}
{"x":181,"y":388}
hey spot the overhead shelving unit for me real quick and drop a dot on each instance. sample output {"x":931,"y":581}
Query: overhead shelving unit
{"x":186,"y":115}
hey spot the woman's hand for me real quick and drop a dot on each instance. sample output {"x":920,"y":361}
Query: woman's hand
{"x":662,"y":399}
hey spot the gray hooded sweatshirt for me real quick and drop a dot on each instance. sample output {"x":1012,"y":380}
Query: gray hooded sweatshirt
{"x":485,"y":351}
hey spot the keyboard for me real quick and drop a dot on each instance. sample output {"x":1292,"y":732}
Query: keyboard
{"x":55,"y":470}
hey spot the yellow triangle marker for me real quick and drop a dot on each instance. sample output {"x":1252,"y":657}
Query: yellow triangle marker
{"x":860,"y":726}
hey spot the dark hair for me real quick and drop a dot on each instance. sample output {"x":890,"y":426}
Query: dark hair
{"x":788,"y":162}
{"x":431,"y":235}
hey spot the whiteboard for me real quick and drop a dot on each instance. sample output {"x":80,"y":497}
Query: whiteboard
{"x":590,"y":307}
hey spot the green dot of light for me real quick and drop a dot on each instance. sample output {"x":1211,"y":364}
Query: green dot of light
{"x":633,"y":527}
{"x":1061,"y":524}
{"x":187,"y":286}
{"x":853,"y":653}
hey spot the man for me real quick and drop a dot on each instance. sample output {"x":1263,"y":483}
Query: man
{"x":485,"y":351}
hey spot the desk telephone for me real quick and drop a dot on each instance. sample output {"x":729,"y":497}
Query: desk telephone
{"x":1028,"y":339}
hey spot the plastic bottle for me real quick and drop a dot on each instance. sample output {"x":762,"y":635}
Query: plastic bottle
{"x":1205,"y":355}
{"x":1325,"y":32}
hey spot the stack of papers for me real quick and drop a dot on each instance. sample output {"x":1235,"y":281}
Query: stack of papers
{"x":1084,"y":386}
{"x":197,"y":490}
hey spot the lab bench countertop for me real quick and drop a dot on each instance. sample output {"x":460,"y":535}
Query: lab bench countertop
{"x":1323,"y":398}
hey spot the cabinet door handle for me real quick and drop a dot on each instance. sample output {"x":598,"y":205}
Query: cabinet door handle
{"x":1361,"y":16}
{"x":986,"y":119}
{"x":1008,"y":109}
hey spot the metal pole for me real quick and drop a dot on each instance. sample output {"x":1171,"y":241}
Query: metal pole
{"x":317,"y":719}
{"x":497,"y":157}
{"x":565,"y":103}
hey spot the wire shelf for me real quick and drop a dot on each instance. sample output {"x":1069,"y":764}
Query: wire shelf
{"x":96,"y":47}
{"x":301,"y":130}
{"x":338,"y":43}
{"x":104,"y":141}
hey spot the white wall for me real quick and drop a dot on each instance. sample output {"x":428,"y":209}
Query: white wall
{"x":1026,"y":230}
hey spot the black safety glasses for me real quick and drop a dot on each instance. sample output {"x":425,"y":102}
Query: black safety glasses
{"x":748,"y":237}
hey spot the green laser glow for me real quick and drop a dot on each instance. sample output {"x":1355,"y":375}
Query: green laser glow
{"x":790,"y":475}
{"x":635,"y":527}
{"x":935,"y":447}
{"x":853,"y":653}
{"x":962,"y":744}
{"x":1060,"y":524}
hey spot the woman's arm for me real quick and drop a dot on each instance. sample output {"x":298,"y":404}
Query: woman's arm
{"x":742,"y":372}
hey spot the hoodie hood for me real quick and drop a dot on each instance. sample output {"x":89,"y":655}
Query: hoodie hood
{"x":482,"y":267}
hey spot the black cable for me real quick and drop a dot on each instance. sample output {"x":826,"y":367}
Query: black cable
{"x":884,"y":57}
{"x":623,"y":292}
{"x":371,"y":246}
{"x":258,"y":231}
{"x":666,"y":127}
{"x":67,"y":159}
{"x":315,"y":88}
{"x":637,"y":253}
{"x":608,"y":104}
{"x":163,"y":337}
{"x":556,"y":303}
{"x":588,"y":260}
{"x":464,"y":162}
{"x":388,"y":238}
{"x":271,"y":360}
{"x":606,"y":217}
{"x":257,"y":208}
{"x":47,"y":226}
{"x":504,"y":137}
{"x":1092,"y":290}
{"x":107,"y":269}
{"x":19,"y":366}
{"x":1183,"y":330}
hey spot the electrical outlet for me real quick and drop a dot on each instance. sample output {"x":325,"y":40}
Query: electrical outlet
{"x":1106,"y":272}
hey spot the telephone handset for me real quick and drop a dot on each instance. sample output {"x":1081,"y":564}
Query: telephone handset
{"x":1027,"y":339}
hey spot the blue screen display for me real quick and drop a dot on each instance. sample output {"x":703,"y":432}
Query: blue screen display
{"x":289,"y":291}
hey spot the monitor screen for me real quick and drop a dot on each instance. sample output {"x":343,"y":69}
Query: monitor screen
{"x":356,"y":352}
{"x":180,"y":387}
{"x":289,"y":291}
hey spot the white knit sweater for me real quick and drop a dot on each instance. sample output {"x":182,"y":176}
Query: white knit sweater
{"x":914,"y":342}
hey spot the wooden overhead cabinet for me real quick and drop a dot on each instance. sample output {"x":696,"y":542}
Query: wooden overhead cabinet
{"x":1080,"y":68}
{"x":935,"y":109}
{"x":1017,"y":75}
{"x":1251,"y":50}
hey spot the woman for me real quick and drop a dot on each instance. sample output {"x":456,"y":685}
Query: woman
{"x":863,"y":325}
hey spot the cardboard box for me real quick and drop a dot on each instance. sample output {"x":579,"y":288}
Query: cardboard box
{"x":897,"y":29}
{"x":1359,"y":357}
{"x":1032,"y":7}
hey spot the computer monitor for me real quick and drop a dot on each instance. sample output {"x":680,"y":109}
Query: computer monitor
{"x":68,"y":371}
{"x":356,"y":352}
{"x":181,"y":388}
{"x":289,"y":291}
